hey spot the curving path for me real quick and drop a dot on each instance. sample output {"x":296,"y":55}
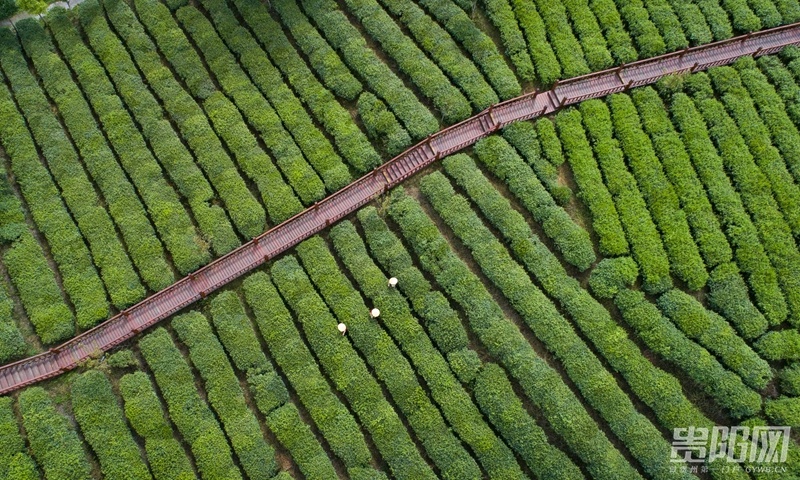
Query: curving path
{"x":340,"y":204}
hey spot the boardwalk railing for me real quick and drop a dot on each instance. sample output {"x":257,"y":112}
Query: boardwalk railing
{"x":340,"y":204}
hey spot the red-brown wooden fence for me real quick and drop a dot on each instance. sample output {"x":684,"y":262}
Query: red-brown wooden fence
{"x":340,"y":204}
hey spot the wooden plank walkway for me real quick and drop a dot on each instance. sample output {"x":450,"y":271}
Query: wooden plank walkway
{"x":280,"y":238}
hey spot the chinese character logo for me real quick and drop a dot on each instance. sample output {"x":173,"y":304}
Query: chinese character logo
{"x":759,"y":444}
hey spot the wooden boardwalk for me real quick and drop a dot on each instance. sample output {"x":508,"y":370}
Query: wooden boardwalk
{"x":280,"y":238}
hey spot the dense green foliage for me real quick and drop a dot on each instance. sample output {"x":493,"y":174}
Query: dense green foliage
{"x":646,"y":246}
{"x":246,"y":214}
{"x":531,"y":333}
{"x":390,"y":366}
{"x":570,"y":239}
{"x":103,"y":426}
{"x":225,"y":395}
{"x":15,"y":464}
{"x":658,"y":193}
{"x":75,"y":186}
{"x":686,"y":186}
{"x":612,"y":275}
{"x":541,"y":384}
{"x":381,"y":124}
{"x":523,"y":136}
{"x":53,"y":442}
{"x":172,"y":154}
{"x":749,"y":253}
{"x":145,"y":414}
{"x":163,"y":207}
{"x":348,"y":372}
{"x":190,"y":413}
{"x":286,"y":346}
{"x":666,"y":340}
{"x":546,"y":323}
{"x":592,"y":191}
{"x":713,"y":332}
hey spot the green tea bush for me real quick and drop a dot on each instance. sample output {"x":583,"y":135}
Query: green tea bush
{"x":53,"y":443}
{"x":693,"y":22}
{"x":434,"y":40}
{"x":728,"y":295}
{"x":668,"y":24}
{"x":772,"y":111}
{"x":767,"y":12}
{"x":227,"y":120}
{"x":188,"y":411}
{"x":78,"y":275}
{"x":658,"y":193}
{"x":779,"y":345}
{"x":173,"y":155}
{"x":15,"y":464}
{"x":523,"y":136}
{"x":617,"y":36}
{"x":714,"y":333}
{"x":299,"y":440}
{"x":544,"y":59}
{"x":381,"y":124}
{"x":465,"y":363}
{"x":742,"y":17}
{"x":410,"y":60}
{"x":351,"y":142}
{"x":588,"y":31}
{"x":246,"y":213}
{"x":389,"y":365}
{"x":321,"y":57}
{"x":687,"y":186}
{"x":750,"y":255}
{"x":39,"y":294}
{"x":164,"y":209}
{"x":287,"y":348}
{"x":12,"y":343}
{"x":501,"y":15}
{"x":753,"y":184}
{"x":667,"y":401}
{"x":591,"y":189}
{"x":494,"y":393}
{"x":570,"y":239}
{"x":76,"y":188}
{"x":454,"y":401}
{"x":236,"y":333}
{"x":548,"y":138}
{"x":8,"y":8}
{"x":789,"y":379}
{"x":477,"y":43}
{"x":660,"y":335}
{"x":122,"y":359}
{"x":783,"y":411}
{"x":646,"y":246}
{"x":544,"y":320}
{"x":443,"y":323}
{"x":648,"y":39}
{"x":783,"y":82}
{"x":612,"y":275}
{"x":256,"y":457}
{"x":165,"y":455}
{"x":103,"y":426}
{"x":541,"y":384}
{"x":347,"y":371}
{"x":347,"y":40}
{"x":259,"y":113}
{"x":559,"y":33}
{"x":756,"y":135}
{"x":717,"y":18}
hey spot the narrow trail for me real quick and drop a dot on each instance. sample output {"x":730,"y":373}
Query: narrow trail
{"x":326,"y":212}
